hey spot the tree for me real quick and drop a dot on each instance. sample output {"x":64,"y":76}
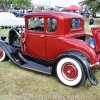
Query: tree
{"x":21,"y":3}
{"x":94,"y":4}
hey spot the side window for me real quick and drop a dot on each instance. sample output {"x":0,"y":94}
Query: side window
{"x":36,"y":24}
{"x":51,"y":24}
{"x":75,"y":23}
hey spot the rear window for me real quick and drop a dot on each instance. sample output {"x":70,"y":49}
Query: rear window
{"x":75,"y":23}
{"x":51,"y":24}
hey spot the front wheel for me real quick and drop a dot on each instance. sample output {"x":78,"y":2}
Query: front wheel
{"x":70,"y":72}
{"x":2,"y":55}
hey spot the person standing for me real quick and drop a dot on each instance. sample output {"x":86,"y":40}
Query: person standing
{"x":91,"y":21}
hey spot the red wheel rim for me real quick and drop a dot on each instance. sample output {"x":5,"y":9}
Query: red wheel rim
{"x":69,"y":71}
{"x":1,"y":53}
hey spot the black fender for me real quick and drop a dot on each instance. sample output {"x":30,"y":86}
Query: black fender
{"x":10,"y":51}
{"x":84,"y":61}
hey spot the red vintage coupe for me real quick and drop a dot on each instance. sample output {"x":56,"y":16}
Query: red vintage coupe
{"x":55,"y":42}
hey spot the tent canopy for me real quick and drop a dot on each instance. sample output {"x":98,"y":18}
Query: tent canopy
{"x":73,"y":7}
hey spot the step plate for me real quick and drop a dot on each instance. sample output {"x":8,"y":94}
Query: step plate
{"x":37,"y":67}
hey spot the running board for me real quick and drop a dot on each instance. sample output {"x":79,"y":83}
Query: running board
{"x":35,"y":66}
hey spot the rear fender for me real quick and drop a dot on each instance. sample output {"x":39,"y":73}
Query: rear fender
{"x":85,"y":63}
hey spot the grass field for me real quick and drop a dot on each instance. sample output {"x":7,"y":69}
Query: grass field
{"x":21,"y":84}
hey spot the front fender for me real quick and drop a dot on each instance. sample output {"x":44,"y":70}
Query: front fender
{"x":85,"y":63}
{"x":10,"y":51}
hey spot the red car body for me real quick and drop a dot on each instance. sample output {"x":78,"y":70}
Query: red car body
{"x":55,"y":41}
{"x":51,"y":45}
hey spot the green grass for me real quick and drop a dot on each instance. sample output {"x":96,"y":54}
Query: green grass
{"x":21,"y":84}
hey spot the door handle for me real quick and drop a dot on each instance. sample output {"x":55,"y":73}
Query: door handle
{"x":41,"y":36}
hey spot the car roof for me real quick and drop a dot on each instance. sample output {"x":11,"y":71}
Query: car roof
{"x":55,"y":13}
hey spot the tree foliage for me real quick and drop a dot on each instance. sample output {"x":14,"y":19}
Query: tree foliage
{"x":19,"y":3}
{"x":94,"y":4}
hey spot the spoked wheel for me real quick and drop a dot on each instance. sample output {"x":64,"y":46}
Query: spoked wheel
{"x":70,"y":72}
{"x":2,"y":55}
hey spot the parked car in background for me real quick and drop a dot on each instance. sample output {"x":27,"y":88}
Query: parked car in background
{"x":85,"y":13}
{"x":97,"y":14}
{"x":9,"y":19}
{"x":21,"y":15}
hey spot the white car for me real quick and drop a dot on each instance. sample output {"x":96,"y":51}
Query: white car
{"x":98,"y":14}
{"x":9,"y":19}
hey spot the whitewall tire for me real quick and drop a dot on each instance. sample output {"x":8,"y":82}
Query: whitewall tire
{"x":70,"y":72}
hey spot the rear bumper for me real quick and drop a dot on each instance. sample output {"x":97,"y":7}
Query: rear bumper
{"x":95,"y":66}
{"x":91,"y":73}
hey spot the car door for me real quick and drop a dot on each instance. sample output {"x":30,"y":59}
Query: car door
{"x":35,"y":37}
{"x":53,"y":43}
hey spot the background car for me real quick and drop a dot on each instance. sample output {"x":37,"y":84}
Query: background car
{"x":9,"y":19}
{"x":85,"y":13}
{"x":21,"y":15}
{"x":97,"y":14}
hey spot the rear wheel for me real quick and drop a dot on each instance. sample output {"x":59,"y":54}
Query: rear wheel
{"x":70,"y":72}
{"x":2,"y":55}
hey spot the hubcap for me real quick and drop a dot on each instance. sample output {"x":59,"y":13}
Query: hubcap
{"x":1,"y":53}
{"x":69,"y":71}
